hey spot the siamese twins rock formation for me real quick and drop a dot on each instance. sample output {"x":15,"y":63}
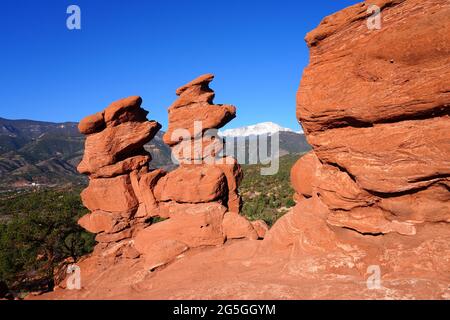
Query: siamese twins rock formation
{"x":374,"y":194}
{"x":199,"y":199}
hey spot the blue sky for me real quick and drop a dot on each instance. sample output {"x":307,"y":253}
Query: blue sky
{"x":150,"y":48}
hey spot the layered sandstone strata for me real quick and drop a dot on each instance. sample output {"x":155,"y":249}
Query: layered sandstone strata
{"x":114,"y":155}
{"x":375,"y":107}
{"x":200,"y":198}
{"x":203,"y":175}
{"x":380,"y":126}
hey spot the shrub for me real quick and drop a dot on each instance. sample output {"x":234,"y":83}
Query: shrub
{"x":42,"y":233}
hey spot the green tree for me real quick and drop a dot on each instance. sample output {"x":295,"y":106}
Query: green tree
{"x":36,"y":241}
{"x":264,"y":196}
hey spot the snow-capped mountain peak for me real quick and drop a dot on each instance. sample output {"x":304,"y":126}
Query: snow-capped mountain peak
{"x":254,"y":130}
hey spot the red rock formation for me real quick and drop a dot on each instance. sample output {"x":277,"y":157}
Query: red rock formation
{"x":195,"y":104}
{"x":375,"y":106}
{"x":114,"y":155}
{"x":197,"y":195}
{"x":380,"y":129}
{"x":199,"y":199}
{"x":204,"y":175}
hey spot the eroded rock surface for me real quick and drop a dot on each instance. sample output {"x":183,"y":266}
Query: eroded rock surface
{"x":202,"y":193}
{"x":380,"y":126}
{"x":375,"y":107}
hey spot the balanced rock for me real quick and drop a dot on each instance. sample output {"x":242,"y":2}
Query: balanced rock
{"x":204,"y":174}
{"x":114,"y":144}
{"x":194,"y":105}
{"x":198,"y":202}
{"x":200,"y":199}
{"x":125,"y":110}
{"x":115,"y":160}
{"x":93,"y":123}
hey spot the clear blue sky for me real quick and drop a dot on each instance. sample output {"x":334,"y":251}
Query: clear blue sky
{"x":149,"y":48}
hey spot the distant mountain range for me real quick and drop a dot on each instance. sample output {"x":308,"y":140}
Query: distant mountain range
{"x":255,"y":130}
{"x":48,"y":153}
{"x":290,"y":142}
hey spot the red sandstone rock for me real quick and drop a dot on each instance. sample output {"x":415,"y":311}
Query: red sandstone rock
{"x":199,"y":150}
{"x":93,"y":123}
{"x":197,"y":225}
{"x":163,"y":252}
{"x":431,"y":204}
{"x":169,"y":208}
{"x":173,"y":208}
{"x":122,"y":187}
{"x":379,"y":79}
{"x":130,"y":252}
{"x":114,"y":237}
{"x":236,"y":226}
{"x":183,"y":119}
{"x":147,"y":183}
{"x":338,"y":191}
{"x":113,"y":195}
{"x":261,"y":228}
{"x":234,"y":176}
{"x":134,"y":179}
{"x":398,"y":156}
{"x":121,"y":167}
{"x":192,"y":184}
{"x":115,"y":134}
{"x":202,"y":176}
{"x":115,"y":143}
{"x":98,"y":221}
{"x":141,"y":212}
{"x":125,"y":110}
{"x":380,"y":129}
{"x":369,"y":221}
{"x":303,"y":173}
{"x":302,"y":231}
{"x":202,"y":85}
{"x":335,"y":187}
{"x":195,"y":104}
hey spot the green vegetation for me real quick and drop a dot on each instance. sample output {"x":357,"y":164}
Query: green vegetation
{"x":267,"y":197}
{"x":39,"y":234}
